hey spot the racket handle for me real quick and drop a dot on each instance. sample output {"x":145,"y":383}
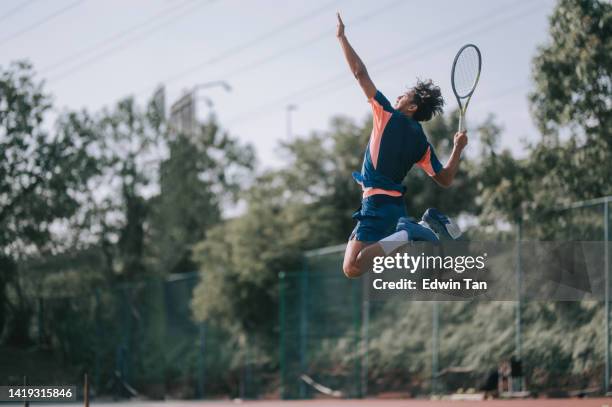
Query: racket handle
{"x":461,"y":123}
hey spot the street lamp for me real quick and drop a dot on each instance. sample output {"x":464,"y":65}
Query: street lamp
{"x":183,"y":113}
{"x":194,"y":91}
{"x":222,"y":84}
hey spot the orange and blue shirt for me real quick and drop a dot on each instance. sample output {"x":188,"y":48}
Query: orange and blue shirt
{"x":397,"y":143}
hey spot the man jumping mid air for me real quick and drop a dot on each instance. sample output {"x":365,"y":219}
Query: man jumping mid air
{"x":397,"y":143}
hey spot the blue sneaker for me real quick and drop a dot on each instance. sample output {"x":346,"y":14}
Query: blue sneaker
{"x":417,"y":232}
{"x":441,"y":224}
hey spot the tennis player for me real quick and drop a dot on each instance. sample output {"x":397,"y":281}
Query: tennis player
{"x":396,"y":144}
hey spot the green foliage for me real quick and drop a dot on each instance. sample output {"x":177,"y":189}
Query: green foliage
{"x":41,"y":174}
{"x":201,"y":174}
{"x":572,"y":71}
{"x":94,"y":200}
{"x":502,"y":181}
{"x":118,"y":209}
{"x":308,"y":204}
{"x":41,"y":177}
{"x":318,"y":175}
{"x":305,"y":205}
{"x":563,"y":343}
{"x":571,"y":104}
{"x":117,"y":196}
{"x":423,"y":193}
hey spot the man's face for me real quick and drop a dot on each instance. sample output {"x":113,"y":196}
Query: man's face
{"x":404,"y":101}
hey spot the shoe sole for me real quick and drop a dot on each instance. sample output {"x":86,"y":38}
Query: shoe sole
{"x":449,"y":230}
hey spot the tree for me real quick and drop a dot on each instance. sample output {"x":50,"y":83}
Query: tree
{"x":201,"y":174}
{"x":129,"y":143}
{"x":571,"y":103}
{"x":502,"y":182}
{"x":423,"y":192}
{"x":572,"y":72}
{"x":307,"y":204}
{"x":42,"y":175}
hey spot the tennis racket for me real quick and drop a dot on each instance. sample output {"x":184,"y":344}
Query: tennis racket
{"x":464,"y":78}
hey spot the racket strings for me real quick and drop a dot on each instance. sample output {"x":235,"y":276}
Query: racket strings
{"x":466,"y":71}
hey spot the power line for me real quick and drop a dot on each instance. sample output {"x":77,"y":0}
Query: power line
{"x":368,"y":15}
{"x":511,"y":89}
{"x":16,"y":9}
{"x":115,"y":37}
{"x":389,"y":60}
{"x":124,"y":44}
{"x":248,"y":44}
{"x":391,"y":63}
{"x":341,"y":76}
{"x":40,"y":22}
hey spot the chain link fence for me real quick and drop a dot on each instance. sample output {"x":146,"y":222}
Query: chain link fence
{"x":141,"y":340}
{"x":336,"y":340}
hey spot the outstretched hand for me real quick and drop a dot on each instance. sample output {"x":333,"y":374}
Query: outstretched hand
{"x":340,"y":29}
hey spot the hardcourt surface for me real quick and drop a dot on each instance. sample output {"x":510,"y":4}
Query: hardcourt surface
{"x":594,"y":402}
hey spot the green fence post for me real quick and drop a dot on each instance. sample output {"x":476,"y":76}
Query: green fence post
{"x":365,"y":324}
{"x":127,"y":338}
{"x":435,"y":346}
{"x":607,"y":294}
{"x":519,"y":288}
{"x":303,"y":328}
{"x":244,"y":386}
{"x":97,"y":373}
{"x":357,"y":335}
{"x":201,"y":353}
{"x":41,"y":326}
{"x":281,"y":328}
{"x":165,"y":287}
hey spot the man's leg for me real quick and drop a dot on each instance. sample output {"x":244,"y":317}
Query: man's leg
{"x":359,"y":256}
{"x":350,"y":266}
{"x":376,"y":222}
{"x":355,"y":264}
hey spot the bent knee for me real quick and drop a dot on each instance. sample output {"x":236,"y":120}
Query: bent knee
{"x":351,"y":270}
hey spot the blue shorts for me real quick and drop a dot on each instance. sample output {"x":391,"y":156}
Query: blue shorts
{"x":377,"y":217}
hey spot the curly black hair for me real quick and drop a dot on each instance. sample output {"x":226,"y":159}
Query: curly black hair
{"x":429,"y":100}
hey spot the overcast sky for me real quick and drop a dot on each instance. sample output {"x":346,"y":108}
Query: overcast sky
{"x":275,"y":53}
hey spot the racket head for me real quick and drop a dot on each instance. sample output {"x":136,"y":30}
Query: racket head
{"x":466,"y":71}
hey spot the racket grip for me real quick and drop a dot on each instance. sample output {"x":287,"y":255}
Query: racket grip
{"x":461,"y":126}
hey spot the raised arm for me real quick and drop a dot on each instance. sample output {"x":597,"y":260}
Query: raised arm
{"x":447,"y":174}
{"x":357,"y":66}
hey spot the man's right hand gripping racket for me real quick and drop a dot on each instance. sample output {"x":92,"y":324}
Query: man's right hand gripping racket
{"x":464,"y":78}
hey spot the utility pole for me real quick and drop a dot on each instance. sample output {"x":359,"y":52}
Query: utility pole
{"x":289,"y":108}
